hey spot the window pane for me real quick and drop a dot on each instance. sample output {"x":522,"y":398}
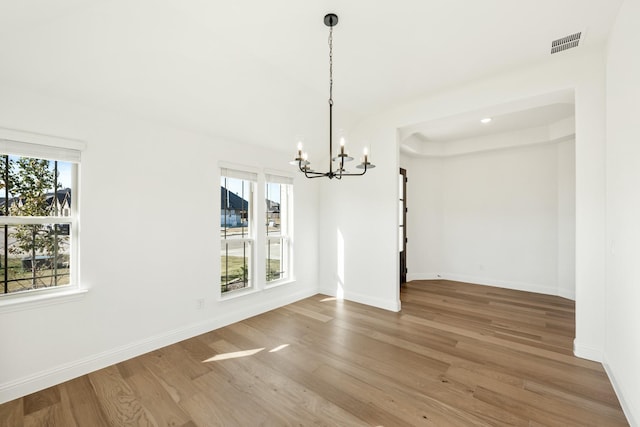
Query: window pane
{"x":235,"y":214}
{"x":275,"y":197}
{"x":35,"y":187}
{"x":235,"y":265}
{"x":277,"y":229}
{"x":275,"y":265}
{"x":34,"y":256}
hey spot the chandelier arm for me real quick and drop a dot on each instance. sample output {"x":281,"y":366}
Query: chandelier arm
{"x":354,"y":174}
{"x":302,"y":169}
{"x":357,"y":174}
{"x":314,"y":174}
{"x":310,"y":174}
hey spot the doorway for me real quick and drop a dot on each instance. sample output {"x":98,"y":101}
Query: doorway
{"x":402,"y":223}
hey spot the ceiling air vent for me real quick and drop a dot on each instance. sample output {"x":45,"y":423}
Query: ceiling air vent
{"x":565,"y":43}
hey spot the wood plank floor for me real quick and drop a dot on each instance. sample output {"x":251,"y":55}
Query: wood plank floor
{"x":457,"y":355}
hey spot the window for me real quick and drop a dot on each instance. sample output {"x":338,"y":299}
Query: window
{"x":278,"y":225}
{"x":255,"y":238}
{"x":38,"y":216}
{"x":237,"y":232}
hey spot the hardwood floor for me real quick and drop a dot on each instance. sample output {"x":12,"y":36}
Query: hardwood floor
{"x":457,"y":355}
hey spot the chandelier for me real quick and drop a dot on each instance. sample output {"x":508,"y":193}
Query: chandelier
{"x":331,"y":20}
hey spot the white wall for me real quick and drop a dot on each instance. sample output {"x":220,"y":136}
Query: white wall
{"x":425,"y":227}
{"x":498,"y":217}
{"x":371,"y":258}
{"x":359,"y":228}
{"x":149,"y":244}
{"x":566,"y":281}
{"x":622,"y":351}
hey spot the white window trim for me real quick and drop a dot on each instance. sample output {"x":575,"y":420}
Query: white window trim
{"x":259,"y":237}
{"x":37,"y":142}
{"x":251,"y":175}
{"x":20,"y":301}
{"x":21,"y":143}
{"x":288,"y":232}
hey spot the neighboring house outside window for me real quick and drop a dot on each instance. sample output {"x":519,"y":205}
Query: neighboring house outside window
{"x":38,"y":217}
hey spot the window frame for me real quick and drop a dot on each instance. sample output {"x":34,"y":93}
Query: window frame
{"x":258,"y":211}
{"x":251,"y":177}
{"x":25,"y":144}
{"x":286,"y":228}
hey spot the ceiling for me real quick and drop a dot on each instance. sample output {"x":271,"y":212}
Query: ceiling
{"x":257,"y":71}
{"x":470,"y":128}
{"x":539,"y":111}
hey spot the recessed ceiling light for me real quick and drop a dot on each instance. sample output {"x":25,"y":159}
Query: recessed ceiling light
{"x":485,"y":120}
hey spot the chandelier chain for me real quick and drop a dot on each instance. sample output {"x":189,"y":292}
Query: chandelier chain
{"x":330,"y":65}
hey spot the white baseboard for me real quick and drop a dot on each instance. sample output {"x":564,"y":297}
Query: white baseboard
{"x":518,"y":286}
{"x":547,"y":290}
{"x":50,"y":377}
{"x":568,"y":294}
{"x":626,"y":408}
{"x":422,"y":276}
{"x":365,"y":299}
{"x":585,"y":352}
{"x":374,"y":302}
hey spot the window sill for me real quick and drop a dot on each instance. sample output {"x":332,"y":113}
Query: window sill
{"x":280,"y":283}
{"x":37,"y":299}
{"x":242,"y":293}
{"x":238,"y":294}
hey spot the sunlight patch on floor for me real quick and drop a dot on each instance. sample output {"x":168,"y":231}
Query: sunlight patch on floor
{"x":233,"y":355}
{"x":278,"y":348}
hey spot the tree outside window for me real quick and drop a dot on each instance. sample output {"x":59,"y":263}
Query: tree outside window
{"x":36,"y":223}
